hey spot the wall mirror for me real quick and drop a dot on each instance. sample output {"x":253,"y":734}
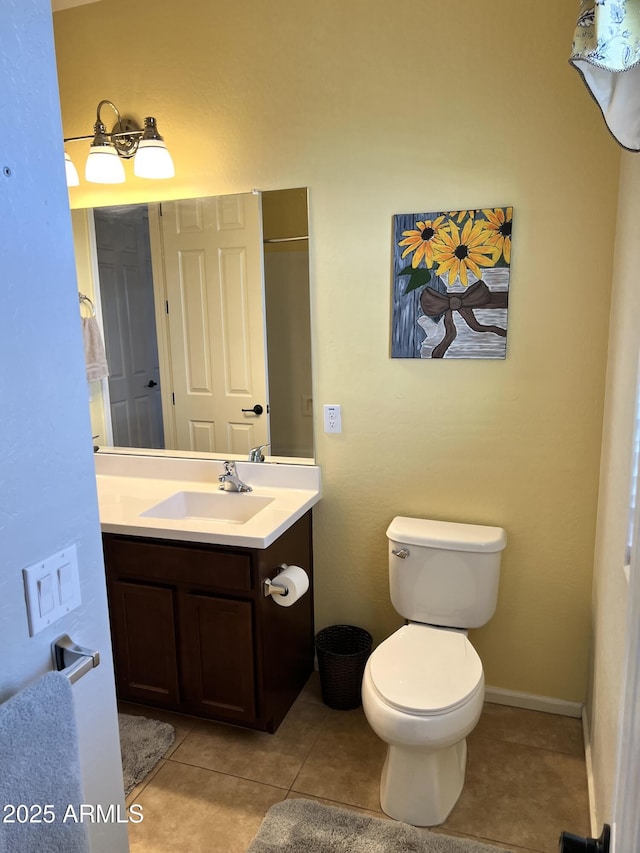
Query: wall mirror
{"x":205,"y":311}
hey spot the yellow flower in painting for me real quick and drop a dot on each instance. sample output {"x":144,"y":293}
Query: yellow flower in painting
{"x":459,"y":215}
{"x":457,"y":253}
{"x":498,"y":226}
{"x":420,"y":241}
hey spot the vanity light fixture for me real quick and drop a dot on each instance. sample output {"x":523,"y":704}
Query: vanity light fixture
{"x":72,"y":173}
{"x":126,"y":140}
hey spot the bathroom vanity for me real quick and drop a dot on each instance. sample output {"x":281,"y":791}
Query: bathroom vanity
{"x":193,"y":628}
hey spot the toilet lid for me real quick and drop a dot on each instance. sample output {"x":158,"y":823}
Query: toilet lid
{"x":425,"y":670}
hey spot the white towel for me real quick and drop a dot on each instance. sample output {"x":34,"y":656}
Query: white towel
{"x":94,"y":352}
{"x":39,"y":766}
{"x":606,"y":52}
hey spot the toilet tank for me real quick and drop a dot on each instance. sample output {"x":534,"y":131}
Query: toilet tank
{"x":443,"y":572}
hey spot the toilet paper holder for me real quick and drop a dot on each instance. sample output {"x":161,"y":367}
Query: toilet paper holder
{"x":273,"y":587}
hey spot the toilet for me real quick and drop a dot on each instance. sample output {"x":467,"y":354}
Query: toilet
{"x":423,"y":687}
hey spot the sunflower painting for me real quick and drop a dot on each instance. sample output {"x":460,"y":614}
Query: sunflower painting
{"x":451,"y":283}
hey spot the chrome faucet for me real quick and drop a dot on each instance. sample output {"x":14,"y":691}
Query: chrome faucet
{"x":256,"y":454}
{"x":230,"y":482}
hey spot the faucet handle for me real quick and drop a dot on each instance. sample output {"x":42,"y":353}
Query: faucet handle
{"x":255,"y":454}
{"x":229,"y":471}
{"x":230,"y":477}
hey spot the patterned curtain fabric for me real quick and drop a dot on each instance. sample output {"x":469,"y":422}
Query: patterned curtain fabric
{"x":606,"y":52}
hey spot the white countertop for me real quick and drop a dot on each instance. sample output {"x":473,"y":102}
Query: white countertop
{"x":131,"y":485}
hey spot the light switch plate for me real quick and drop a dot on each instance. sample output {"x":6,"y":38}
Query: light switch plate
{"x":307,"y":405}
{"x":52,"y":588}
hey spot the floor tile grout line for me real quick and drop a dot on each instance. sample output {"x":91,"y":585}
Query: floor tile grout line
{"x":139,"y":787}
{"x":480,"y":839}
{"x":483,"y":839}
{"x":340,"y":803}
{"x":529,"y":746}
{"x":311,"y":746}
{"x":226,"y":773}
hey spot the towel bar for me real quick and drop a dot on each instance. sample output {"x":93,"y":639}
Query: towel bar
{"x":75,"y":661}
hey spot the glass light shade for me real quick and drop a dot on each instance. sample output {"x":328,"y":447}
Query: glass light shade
{"x":72,"y":173}
{"x":153,"y":160}
{"x":104,"y":166}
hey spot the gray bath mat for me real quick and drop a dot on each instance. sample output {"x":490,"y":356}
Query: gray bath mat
{"x":293,"y":826}
{"x":143,"y":742}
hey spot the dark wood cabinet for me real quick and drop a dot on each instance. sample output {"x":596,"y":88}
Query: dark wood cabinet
{"x":143,"y":634}
{"x":192,"y":631}
{"x":217,"y":645}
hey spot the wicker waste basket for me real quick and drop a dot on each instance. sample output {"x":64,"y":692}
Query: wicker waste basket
{"x":342,"y":654}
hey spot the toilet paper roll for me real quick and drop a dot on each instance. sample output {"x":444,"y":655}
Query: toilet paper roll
{"x":297,"y":582}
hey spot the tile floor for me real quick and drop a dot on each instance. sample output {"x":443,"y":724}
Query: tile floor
{"x":526,"y":778}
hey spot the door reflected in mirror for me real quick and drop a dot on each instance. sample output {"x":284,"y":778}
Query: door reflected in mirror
{"x":205,"y":310}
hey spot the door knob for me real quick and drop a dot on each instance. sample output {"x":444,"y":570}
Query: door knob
{"x":257,"y":409}
{"x":151,"y":384}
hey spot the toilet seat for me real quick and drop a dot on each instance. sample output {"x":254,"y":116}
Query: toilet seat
{"x":426,"y":671}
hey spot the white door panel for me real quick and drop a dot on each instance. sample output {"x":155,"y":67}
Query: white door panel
{"x":126,"y":289}
{"x":213,"y":267}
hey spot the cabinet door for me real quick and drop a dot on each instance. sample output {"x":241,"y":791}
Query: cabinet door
{"x":144,"y":640}
{"x":217,"y":656}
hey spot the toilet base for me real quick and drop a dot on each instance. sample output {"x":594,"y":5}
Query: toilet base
{"x":421,"y":786}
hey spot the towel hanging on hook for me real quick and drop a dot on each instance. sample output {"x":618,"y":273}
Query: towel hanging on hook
{"x":94,"y":350}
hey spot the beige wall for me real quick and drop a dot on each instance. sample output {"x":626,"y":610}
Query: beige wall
{"x":286,"y":273}
{"x":285,"y":215}
{"x":381,"y":108}
{"x":610,"y":587}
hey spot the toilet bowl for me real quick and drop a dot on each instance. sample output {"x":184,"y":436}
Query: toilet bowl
{"x":423,"y":687}
{"x":422,"y":693}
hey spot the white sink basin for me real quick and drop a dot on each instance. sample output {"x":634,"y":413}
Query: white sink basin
{"x":230,"y":507}
{"x":177,"y":499}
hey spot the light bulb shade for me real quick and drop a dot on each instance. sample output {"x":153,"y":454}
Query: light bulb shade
{"x":153,"y":160}
{"x":104,"y":166}
{"x":72,"y":173}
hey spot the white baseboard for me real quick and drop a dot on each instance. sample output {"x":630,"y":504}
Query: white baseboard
{"x":588,"y":757}
{"x":533,"y":703}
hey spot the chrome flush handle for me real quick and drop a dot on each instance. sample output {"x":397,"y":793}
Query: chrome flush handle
{"x":402,"y":553}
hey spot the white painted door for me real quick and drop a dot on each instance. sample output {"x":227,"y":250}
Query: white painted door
{"x":626,"y":816}
{"x":48,"y":478}
{"x":213,"y":267}
{"x":126,"y":292}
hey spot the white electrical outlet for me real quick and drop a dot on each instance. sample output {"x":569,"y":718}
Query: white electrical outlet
{"x":332,"y":418}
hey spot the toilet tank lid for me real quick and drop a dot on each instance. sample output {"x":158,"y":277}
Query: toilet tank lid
{"x":449,"y":535}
